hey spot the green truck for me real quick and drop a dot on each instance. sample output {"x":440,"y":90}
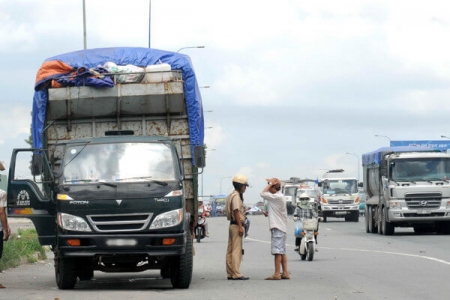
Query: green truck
{"x":111,"y":183}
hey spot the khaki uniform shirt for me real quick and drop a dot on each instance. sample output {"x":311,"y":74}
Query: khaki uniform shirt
{"x":234,"y":202}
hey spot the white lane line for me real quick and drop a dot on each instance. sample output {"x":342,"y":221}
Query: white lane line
{"x":373,"y":251}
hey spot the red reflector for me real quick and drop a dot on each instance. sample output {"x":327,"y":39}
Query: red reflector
{"x":74,"y":242}
{"x":168,"y":241}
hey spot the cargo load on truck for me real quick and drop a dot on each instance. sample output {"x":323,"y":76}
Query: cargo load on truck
{"x":407,"y":186}
{"x":111,"y":183}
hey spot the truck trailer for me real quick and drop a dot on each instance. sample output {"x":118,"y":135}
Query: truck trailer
{"x":111,"y":181}
{"x":407,"y":186}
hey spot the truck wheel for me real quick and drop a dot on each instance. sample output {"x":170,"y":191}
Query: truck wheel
{"x":372,"y":228}
{"x":65,"y":272}
{"x":355,"y":217}
{"x":310,"y":252}
{"x":379,"y":213}
{"x":181,"y":271}
{"x":387,"y":227}
{"x":366,"y":221}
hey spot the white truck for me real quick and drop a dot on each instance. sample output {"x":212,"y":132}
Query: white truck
{"x":407,"y":187}
{"x":339,"y":196}
{"x":290,"y":188}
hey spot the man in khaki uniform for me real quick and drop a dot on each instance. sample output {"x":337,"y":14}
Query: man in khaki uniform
{"x":235,"y":214}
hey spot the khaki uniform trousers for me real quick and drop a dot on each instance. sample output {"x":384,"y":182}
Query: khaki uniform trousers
{"x":234,"y":252}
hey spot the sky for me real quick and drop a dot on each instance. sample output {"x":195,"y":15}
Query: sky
{"x":293,"y":85}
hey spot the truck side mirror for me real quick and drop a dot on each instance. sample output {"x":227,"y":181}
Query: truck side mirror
{"x":360,"y":184}
{"x":36,"y":164}
{"x":199,"y":156}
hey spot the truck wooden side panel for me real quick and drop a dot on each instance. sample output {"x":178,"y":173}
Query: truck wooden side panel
{"x":148,"y":109}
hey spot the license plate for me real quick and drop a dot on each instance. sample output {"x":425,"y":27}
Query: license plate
{"x":121,"y":242}
{"x":341,"y":213}
{"x":423,"y":212}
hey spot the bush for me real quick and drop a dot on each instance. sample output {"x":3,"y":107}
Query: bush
{"x":21,"y":246}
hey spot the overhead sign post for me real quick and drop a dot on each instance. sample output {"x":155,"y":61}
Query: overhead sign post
{"x":441,"y":145}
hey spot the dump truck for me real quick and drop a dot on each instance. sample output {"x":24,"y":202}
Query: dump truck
{"x":407,"y":186}
{"x":339,"y":196}
{"x":111,"y":183}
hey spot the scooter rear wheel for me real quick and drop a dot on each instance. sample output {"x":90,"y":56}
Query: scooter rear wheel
{"x":198,"y":233}
{"x":310,"y":251}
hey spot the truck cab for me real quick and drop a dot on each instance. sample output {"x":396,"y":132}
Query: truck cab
{"x":339,"y":196}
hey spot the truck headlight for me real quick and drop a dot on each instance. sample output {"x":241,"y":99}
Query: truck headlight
{"x":72,"y":223}
{"x":168,"y":219}
{"x":395,"y":205}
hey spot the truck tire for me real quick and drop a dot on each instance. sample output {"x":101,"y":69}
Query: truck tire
{"x":65,"y":271}
{"x":366,"y":221}
{"x":355,"y":217}
{"x":387,"y":227}
{"x":181,"y":270}
{"x":371,"y":223}
{"x":379,"y":212}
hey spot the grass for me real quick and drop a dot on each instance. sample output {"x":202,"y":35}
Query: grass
{"x":21,"y":247}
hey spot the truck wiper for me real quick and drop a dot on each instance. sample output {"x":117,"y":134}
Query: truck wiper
{"x":436,"y":179}
{"x":90,"y":180}
{"x":144,"y":177}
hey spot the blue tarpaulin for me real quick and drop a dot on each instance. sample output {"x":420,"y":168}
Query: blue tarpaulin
{"x":375,"y":157}
{"x":142,"y":57}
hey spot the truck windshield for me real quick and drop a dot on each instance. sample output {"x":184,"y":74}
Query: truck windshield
{"x":340,"y":186}
{"x":420,"y":169}
{"x":119,"y":162}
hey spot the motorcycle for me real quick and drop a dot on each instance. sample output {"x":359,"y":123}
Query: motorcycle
{"x":308,"y":241}
{"x":200,"y":230}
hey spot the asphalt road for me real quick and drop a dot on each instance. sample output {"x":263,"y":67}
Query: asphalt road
{"x":350,"y":264}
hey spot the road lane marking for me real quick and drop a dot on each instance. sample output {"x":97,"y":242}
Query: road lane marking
{"x":372,"y":251}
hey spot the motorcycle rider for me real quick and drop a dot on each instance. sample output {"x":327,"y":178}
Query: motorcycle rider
{"x":304,"y":210}
{"x":203,"y":213}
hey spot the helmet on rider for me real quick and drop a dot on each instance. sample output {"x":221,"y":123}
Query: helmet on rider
{"x":200,"y":201}
{"x":303,"y":199}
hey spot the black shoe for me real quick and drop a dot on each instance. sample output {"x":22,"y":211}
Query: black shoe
{"x":240,"y":278}
{"x":296,"y":249}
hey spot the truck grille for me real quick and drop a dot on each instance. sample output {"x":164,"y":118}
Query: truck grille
{"x":420,"y":201}
{"x":120,"y":223}
{"x":340,"y":202}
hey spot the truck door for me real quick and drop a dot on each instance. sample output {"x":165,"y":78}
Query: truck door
{"x":30,"y":185}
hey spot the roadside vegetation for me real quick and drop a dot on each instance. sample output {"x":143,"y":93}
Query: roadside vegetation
{"x":22,"y":247}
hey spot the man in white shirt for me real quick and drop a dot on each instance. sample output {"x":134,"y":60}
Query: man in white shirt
{"x":277,"y":214}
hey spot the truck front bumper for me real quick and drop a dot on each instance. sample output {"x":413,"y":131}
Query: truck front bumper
{"x":407,"y":215}
{"x":339,"y":211}
{"x":84,"y":245}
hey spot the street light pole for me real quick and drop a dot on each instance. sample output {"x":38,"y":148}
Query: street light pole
{"x":358,"y":161}
{"x":221,"y":183}
{"x":378,"y":135}
{"x":190,"y":48}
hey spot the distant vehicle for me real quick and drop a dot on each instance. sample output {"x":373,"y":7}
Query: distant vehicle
{"x":362,"y":196}
{"x":313,"y":195}
{"x":289,"y":189}
{"x":254,"y":211}
{"x":339,"y":196}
